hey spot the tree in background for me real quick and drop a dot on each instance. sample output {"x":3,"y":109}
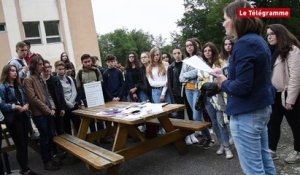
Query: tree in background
{"x":121,"y":41}
{"x":291,"y":23}
{"x":203,"y":19}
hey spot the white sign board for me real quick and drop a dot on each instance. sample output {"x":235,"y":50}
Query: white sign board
{"x":94,"y":94}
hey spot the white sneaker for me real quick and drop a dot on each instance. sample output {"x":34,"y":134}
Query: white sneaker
{"x":231,"y":141}
{"x":35,"y":135}
{"x":273,"y":155}
{"x":194,"y":138}
{"x":220,"y":150}
{"x":188,"y":140}
{"x":293,"y":157}
{"x":228,"y":153}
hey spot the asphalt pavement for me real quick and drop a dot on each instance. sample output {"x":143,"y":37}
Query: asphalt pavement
{"x":167,"y":161}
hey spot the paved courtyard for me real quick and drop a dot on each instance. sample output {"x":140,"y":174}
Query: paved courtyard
{"x":167,"y":161}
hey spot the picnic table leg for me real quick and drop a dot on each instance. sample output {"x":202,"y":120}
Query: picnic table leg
{"x":84,"y":125}
{"x":121,"y":137}
{"x":135,"y":133}
{"x":168,"y":126}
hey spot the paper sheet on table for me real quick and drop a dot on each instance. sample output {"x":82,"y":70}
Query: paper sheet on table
{"x":134,"y":111}
{"x":198,"y":63}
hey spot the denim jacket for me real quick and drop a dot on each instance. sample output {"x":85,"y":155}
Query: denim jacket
{"x":190,"y":74}
{"x":8,"y":98}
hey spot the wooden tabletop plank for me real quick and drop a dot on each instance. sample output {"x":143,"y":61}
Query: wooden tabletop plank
{"x":94,"y":112}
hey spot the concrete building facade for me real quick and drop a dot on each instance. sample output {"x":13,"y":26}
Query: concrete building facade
{"x":52,"y":27}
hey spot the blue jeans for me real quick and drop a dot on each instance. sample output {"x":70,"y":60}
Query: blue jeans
{"x":250,"y":134}
{"x":156,"y":93}
{"x":217,"y":123}
{"x":191,"y":96}
{"x":45,"y":125}
{"x":143,"y":96}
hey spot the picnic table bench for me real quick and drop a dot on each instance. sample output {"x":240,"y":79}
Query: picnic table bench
{"x":95,"y":157}
{"x":186,"y":125}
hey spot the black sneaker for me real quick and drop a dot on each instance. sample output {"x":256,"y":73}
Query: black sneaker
{"x":57,"y":161}
{"x":208,"y":144}
{"x":50,"y":166}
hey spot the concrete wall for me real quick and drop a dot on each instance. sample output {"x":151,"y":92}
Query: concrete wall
{"x":4,"y":43}
{"x":83,"y":33}
{"x":77,"y":28}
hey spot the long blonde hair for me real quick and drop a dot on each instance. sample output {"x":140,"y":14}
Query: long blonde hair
{"x":161,"y":68}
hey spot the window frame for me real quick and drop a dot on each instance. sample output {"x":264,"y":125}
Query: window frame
{"x":47,"y":37}
{"x":4,"y":26}
{"x":33,"y":39}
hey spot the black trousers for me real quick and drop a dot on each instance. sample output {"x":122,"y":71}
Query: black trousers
{"x":1,"y":162}
{"x":292,"y":117}
{"x":58,"y":124}
{"x":18,"y":129}
{"x":45,"y":125}
{"x":179,"y":100}
{"x":69,"y":116}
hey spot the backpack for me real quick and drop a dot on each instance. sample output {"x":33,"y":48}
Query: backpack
{"x":20,"y":61}
{"x":80,"y":74}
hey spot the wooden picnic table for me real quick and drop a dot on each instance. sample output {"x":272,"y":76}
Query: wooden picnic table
{"x":129,"y":126}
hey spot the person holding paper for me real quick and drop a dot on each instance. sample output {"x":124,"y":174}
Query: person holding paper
{"x":249,"y":90}
{"x":189,"y":76}
{"x":215,"y":105}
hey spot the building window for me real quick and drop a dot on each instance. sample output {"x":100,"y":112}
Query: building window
{"x":52,"y":31}
{"x":32,"y":32}
{"x":2,"y":27}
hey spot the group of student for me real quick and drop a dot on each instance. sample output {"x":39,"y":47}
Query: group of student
{"x":250,"y":81}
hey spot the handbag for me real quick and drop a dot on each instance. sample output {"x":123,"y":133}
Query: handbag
{"x":191,"y":86}
{"x":1,"y":116}
{"x":284,"y":92}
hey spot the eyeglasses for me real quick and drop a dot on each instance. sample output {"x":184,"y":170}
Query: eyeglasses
{"x":131,"y":56}
{"x":270,"y":34}
{"x":46,"y":67}
{"x":189,"y":45}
